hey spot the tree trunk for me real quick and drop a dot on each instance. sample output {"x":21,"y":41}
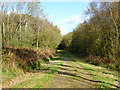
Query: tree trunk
{"x":20,"y":30}
{"x":3,"y":35}
{"x":116,"y":29}
{"x":26,"y":24}
{"x":37,"y":39}
{"x":8,"y":44}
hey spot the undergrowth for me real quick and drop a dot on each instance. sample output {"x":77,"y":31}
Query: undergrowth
{"x":17,"y":61}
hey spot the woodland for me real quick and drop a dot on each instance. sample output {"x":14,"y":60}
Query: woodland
{"x":28,"y":39}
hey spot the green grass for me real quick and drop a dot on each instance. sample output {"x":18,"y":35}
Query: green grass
{"x":8,"y":75}
{"x":34,"y":81}
{"x":11,"y":74}
{"x":109,"y":79}
{"x":40,"y":81}
{"x":106,"y":78}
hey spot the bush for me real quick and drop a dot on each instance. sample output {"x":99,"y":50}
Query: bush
{"x":28,"y":57}
{"x":46,"y":59}
{"x":4,"y":51}
{"x":38,"y":64}
{"x":8,"y":68}
{"x":114,"y":66}
{"x":96,"y":60}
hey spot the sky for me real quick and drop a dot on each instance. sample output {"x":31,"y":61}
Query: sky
{"x":66,"y":15}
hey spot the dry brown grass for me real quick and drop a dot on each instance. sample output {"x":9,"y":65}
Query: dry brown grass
{"x":27,"y":54}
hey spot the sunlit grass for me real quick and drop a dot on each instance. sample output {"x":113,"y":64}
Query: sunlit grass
{"x":40,"y":80}
{"x":110,"y":78}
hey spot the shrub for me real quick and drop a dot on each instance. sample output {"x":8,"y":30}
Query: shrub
{"x":28,"y":58}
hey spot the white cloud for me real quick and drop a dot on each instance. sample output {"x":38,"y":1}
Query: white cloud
{"x":68,"y":24}
{"x":75,"y":19}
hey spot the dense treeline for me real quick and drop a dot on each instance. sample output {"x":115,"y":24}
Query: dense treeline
{"x":66,"y":41}
{"x":24,"y":25}
{"x":27,"y":37}
{"x":99,"y":35}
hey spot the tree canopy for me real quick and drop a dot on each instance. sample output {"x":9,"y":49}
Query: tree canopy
{"x":98,"y":35}
{"x":25,"y":25}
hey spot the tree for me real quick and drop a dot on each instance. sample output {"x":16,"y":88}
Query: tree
{"x":99,"y":35}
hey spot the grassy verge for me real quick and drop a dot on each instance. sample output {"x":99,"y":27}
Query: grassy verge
{"x":42,"y":79}
{"x":35,"y":81}
{"x":10,"y":69}
{"x":102,"y":77}
{"x":19,"y":61}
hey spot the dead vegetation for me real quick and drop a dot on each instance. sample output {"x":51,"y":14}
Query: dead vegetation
{"x":27,"y":58}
